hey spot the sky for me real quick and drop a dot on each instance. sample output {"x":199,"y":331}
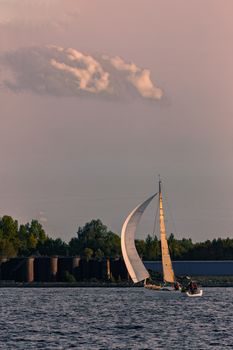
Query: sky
{"x":99,"y":97}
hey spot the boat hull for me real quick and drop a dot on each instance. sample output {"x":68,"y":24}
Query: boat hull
{"x":160,"y":289}
{"x":194,"y":295}
{"x":152,"y":287}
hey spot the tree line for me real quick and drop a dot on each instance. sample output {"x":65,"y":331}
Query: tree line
{"x":94,"y":240}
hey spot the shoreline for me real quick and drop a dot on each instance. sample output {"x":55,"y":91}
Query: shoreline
{"x":67,"y":285}
{"x":95,"y":285}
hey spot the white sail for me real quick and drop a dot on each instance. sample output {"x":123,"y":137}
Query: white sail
{"x":134,"y":264}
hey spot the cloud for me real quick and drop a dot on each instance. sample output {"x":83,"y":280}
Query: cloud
{"x":140,"y":78}
{"x":54,"y":71}
{"x":90,"y":76}
{"x":58,"y":71}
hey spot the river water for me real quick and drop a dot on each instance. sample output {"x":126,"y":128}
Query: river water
{"x":114,"y":318}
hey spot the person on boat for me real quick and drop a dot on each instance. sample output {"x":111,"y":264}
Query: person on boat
{"x":177,"y":286}
{"x":192,"y":287}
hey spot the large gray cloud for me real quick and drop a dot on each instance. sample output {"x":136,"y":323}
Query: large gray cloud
{"x":58,"y":71}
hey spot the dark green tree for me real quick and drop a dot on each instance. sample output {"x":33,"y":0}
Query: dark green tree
{"x":141,"y":247}
{"x":152,"y":248}
{"x":53,"y":247}
{"x":88,"y":253}
{"x":95,"y":235}
{"x":9,"y":239}
{"x":31,"y":235}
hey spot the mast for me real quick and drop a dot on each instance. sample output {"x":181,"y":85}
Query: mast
{"x":168,"y":273}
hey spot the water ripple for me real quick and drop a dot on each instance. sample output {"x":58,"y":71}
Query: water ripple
{"x":104,"y":319}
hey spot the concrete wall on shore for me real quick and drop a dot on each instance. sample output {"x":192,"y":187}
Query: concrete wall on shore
{"x":118,"y":270}
{"x":42,"y":269}
{"x":61,"y":269}
{"x":53,"y":268}
{"x":64,"y":269}
{"x":18,"y":269}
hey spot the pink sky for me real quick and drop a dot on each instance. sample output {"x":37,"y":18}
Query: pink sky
{"x":69,"y":159}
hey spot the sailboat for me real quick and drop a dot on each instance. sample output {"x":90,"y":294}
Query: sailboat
{"x":133,"y":262}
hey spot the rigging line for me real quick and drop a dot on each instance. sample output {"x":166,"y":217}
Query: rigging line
{"x":171,"y":216}
{"x":155,"y":221}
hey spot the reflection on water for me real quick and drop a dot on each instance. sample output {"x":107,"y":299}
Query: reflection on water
{"x":123,"y":318}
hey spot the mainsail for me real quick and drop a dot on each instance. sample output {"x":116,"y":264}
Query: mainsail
{"x":168,"y":273}
{"x":135,"y":266}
